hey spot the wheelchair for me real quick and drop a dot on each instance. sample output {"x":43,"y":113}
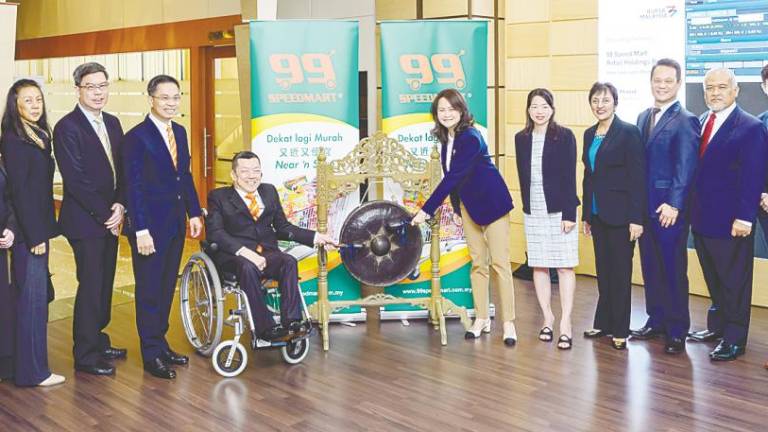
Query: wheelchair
{"x":203,"y":294}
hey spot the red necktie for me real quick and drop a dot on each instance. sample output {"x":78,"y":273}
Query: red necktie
{"x":707,"y":134}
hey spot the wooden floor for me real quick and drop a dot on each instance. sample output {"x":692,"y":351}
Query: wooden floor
{"x":392,"y":377}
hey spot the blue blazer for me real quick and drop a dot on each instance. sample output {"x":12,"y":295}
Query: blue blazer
{"x":618,"y":181}
{"x":671,"y":154}
{"x":474,"y":179}
{"x":90,"y":187}
{"x":730,"y":176}
{"x":159,"y":197}
{"x":558,"y":168}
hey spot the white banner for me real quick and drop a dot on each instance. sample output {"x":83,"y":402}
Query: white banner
{"x":632,"y":36}
{"x":7,"y":46}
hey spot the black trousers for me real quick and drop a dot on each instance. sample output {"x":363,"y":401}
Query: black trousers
{"x":281,"y":267}
{"x":96,"y":259}
{"x":613,"y":260}
{"x":727,"y":264}
{"x":155,"y":276}
{"x":7,"y":319}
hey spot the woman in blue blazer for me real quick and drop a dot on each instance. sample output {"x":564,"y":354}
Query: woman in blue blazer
{"x":482,"y":202}
{"x":26,"y":146}
{"x":546,"y":165}
{"x":614,"y":209}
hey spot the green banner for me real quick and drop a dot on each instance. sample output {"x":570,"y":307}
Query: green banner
{"x":304,"y":97}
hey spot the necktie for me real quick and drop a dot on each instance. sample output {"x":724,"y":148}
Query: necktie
{"x":172,"y":145}
{"x":104,"y":138}
{"x":707,"y":134}
{"x":651,"y":122}
{"x":253,"y":205}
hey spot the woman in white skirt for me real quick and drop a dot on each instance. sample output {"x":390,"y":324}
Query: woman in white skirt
{"x":546,"y":165}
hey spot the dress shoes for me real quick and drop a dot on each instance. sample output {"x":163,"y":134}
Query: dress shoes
{"x":704,"y":336}
{"x":509,"y":334}
{"x":52,"y":380}
{"x":594,"y":333}
{"x":478,"y":327}
{"x":298,"y":328}
{"x":619,"y":344}
{"x":674,"y":346}
{"x":276,"y":332}
{"x":174,"y":358}
{"x":726,"y":351}
{"x":99,"y":368}
{"x":645,"y":333}
{"x":158,"y":368}
{"x":113,"y":353}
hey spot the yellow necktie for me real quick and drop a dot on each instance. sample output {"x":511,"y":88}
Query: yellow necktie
{"x":172,"y":146}
{"x":253,"y":205}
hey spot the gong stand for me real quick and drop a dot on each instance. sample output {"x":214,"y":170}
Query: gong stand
{"x":374,"y":159}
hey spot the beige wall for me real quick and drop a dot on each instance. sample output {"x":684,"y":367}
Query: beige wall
{"x":41,"y":18}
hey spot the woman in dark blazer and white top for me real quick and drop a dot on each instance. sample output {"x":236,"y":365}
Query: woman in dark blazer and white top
{"x":26,"y":146}
{"x":546,"y":165}
{"x":614,"y":208}
{"x":480,"y":196}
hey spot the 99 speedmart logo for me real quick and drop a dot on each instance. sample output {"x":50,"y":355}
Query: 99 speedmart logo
{"x":316,"y":69}
{"x":445,"y":69}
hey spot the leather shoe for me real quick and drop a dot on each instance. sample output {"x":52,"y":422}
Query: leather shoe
{"x":619,"y":344}
{"x":298,"y":328}
{"x":276,"y":332}
{"x":674,"y":346}
{"x":727,"y":352}
{"x":645,"y":333}
{"x":704,"y":336}
{"x":112,"y":353}
{"x":174,"y":358}
{"x":158,"y":368}
{"x":100,"y":368}
{"x":594,"y":333}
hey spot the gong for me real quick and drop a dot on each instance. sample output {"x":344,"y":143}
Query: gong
{"x":379,"y":246}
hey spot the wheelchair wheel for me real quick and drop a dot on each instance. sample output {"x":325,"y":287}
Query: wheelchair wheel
{"x":202,"y":303}
{"x":230,"y":359}
{"x":296,"y":350}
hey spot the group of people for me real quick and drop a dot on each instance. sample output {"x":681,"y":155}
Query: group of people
{"x":652,"y":182}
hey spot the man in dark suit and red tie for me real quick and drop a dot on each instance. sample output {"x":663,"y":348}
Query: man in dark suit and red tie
{"x":160,"y":195}
{"x":245,"y":221}
{"x":724,"y":204}
{"x":671,"y":137}
{"x":87,"y":146}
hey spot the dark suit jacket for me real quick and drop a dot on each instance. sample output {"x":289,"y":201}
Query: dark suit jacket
{"x":7,"y":216}
{"x":730,"y":176}
{"x":474,"y":179}
{"x":230,"y":225}
{"x":90,"y":188}
{"x":30,"y":177}
{"x":558,"y":168}
{"x":618,"y":181}
{"x":672,"y":153}
{"x":158,"y":196}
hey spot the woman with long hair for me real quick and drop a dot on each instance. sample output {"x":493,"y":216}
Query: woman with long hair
{"x":546,"y":166}
{"x":482,"y":202}
{"x":26,"y":146}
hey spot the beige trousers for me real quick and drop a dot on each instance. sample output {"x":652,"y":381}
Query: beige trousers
{"x":489,"y":249}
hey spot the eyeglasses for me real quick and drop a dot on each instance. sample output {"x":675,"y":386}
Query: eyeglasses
{"x":166,"y":99}
{"x":93,"y":87}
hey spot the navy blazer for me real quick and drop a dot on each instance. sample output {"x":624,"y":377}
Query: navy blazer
{"x":158,"y":196}
{"x":618,"y":181}
{"x":90,"y":187}
{"x":731,"y":175}
{"x":474,"y":179}
{"x":672,"y":153}
{"x":230,"y":225}
{"x":30,"y":177}
{"x":558,"y":169}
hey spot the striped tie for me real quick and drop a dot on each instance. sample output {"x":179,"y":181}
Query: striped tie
{"x":104,"y":138}
{"x":172,"y":146}
{"x":253,"y":205}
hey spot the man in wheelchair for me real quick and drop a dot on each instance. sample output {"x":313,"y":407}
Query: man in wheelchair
{"x":245,"y":220}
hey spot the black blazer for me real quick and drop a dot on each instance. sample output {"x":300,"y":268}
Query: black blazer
{"x":30,"y":176}
{"x":90,"y":188}
{"x":618,"y":181}
{"x":231,"y":226}
{"x":7,"y":216}
{"x":558,"y":166}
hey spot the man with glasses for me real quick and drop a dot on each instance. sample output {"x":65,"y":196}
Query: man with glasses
{"x":160,"y":195}
{"x":87,"y":147}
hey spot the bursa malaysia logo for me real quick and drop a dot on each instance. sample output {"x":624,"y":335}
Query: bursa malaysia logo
{"x":659,"y":12}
